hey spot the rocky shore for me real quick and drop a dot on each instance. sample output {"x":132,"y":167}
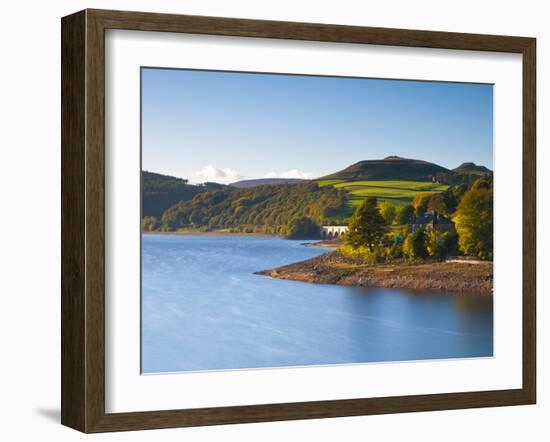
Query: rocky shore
{"x":333,"y":268}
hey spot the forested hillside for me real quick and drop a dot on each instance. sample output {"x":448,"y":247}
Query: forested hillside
{"x":268,"y":207}
{"x":159,"y":192}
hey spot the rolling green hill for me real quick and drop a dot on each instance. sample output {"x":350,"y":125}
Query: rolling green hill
{"x":393,"y":168}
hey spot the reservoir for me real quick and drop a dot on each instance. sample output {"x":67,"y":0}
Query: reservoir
{"x":204,"y":309}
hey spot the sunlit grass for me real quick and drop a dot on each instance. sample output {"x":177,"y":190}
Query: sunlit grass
{"x":397,"y":202}
{"x":418,"y":186}
{"x":323,"y":183}
{"x":396,"y":192}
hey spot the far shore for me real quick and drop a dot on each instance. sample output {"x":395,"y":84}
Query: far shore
{"x":326,"y":244}
{"x":209,"y":233}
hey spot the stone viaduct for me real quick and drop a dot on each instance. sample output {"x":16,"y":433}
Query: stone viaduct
{"x":333,"y":231}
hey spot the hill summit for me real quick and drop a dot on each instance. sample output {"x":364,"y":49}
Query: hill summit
{"x":472,"y":169}
{"x":392,"y":168}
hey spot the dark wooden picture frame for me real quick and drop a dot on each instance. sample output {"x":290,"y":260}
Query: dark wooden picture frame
{"x":83,"y":220}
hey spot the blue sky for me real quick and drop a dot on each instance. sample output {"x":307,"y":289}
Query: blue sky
{"x":225,"y":126}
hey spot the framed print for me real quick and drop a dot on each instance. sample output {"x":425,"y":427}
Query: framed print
{"x":268,"y":220}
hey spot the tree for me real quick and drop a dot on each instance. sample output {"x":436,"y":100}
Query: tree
{"x":435,"y":244}
{"x":453,"y":195}
{"x":302,"y":228}
{"x":149,"y":223}
{"x":474,"y":222}
{"x":437,"y":203}
{"x":406,"y":216}
{"x":420,"y":203}
{"x":414,"y":246}
{"x":388,"y":212}
{"x":485,"y":182}
{"x":366,"y":226}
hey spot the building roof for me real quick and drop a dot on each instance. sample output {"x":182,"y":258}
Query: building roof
{"x":430,"y":217}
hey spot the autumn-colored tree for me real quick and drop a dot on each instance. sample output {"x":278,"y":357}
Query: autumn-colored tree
{"x":366,"y":226}
{"x":388,"y":212}
{"x":435,"y":244}
{"x":474,"y":221}
{"x":437,"y":203}
{"x":420,"y":203}
{"x":414,"y":246}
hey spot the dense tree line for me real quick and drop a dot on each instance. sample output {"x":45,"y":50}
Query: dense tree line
{"x":378,"y":233}
{"x":271,"y":206}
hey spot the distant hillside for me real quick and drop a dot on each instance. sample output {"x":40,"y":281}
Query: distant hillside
{"x":393,"y":168}
{"x":159,"y":192}
{"x":269,"y":207}
{"x":246,"y":184}
{"x":269,"y":203}
{"x":472,"y":169}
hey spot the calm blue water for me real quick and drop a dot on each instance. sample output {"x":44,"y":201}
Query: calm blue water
{"x":204,"y":309}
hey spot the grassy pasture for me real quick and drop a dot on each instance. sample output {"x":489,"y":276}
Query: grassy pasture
{"x":396,"y":192}
{"x":397,"y":202}
{"x":385,"y":192}
{"x":323,"y":183}
{"x":417,"y":186}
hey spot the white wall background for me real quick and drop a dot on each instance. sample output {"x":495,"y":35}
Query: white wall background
{"x":30,"y":217}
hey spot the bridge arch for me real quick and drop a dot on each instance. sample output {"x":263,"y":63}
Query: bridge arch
{"x":332,"y":231}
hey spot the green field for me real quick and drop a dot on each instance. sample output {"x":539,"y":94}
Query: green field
{"x":323,"y":183}
{"x":396,"y":192}
{"x":416,"y":186}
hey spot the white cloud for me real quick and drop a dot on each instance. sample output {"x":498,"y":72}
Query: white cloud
{"x":292,"y":173}
{"x":224,"y":175}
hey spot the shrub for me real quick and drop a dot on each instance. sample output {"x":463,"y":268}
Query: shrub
{"x":396,"y":250}
{"x":435,"y":244}
{"x":362,"y":253}
{"x":414,"y":246}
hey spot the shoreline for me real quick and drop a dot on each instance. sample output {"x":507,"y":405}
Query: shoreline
{"x":324,"y":244}
{"x":328,"y":244}
{"x":333,"y":268}
{"x":212,"y":233}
